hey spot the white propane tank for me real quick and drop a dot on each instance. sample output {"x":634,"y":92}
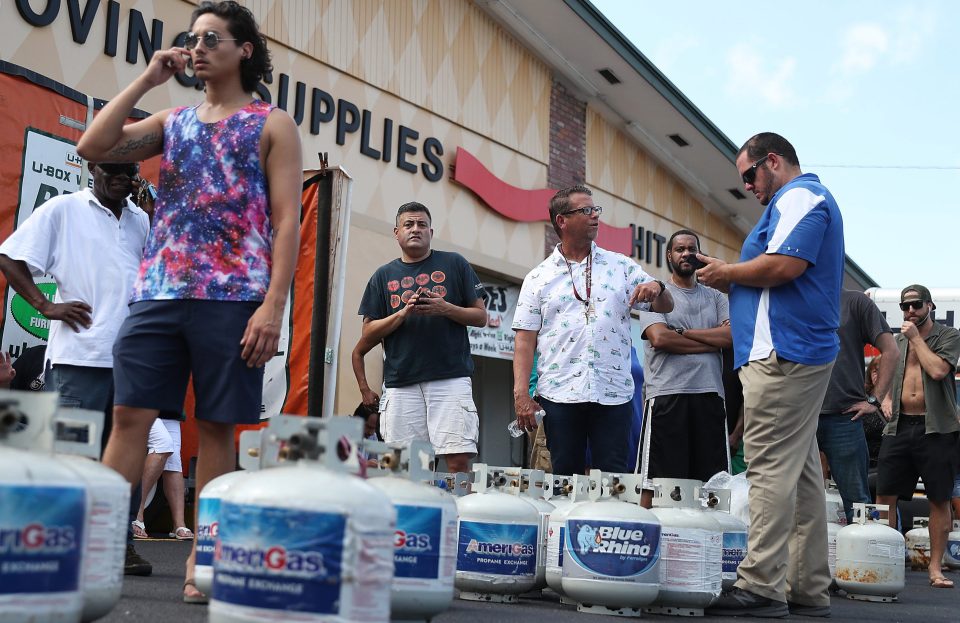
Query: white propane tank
{"x":425,"y":543}
{"x":870,"y":556}
{"x":208,"y":526}
{"x":569,"y":492}
{"x":734,"y":549}
{"x":497,"y":542}
{"x":691,"y":549}
{"x":611,"y":548}
{"x":951,"y":557}
{"x":835,"y":512}
{"x":43,"y":516}
{"x":308,"y":541}
{"x":833,"y":530}
{"x":918,"y":544}
{"x":106,"y":542}
{"x":529,"y":484}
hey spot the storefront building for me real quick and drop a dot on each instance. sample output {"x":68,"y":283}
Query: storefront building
{"x":476,"y":109}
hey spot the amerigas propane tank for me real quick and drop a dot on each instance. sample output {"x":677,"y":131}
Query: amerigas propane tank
{"x":918,"y":543}
{"x":691,"y":546}
{"x":109,"y":495}
{"x":566,"y":493}
{"x":43,"y":516}
{"x":497,"y":537}
{"x":734,"y":549}
{"x":529,"y":484}
{"x":951,"y":557}
{"x":870,"y":556}
{"x":208,"y":504}
{"x":425,"y":545}
{"x":307,"y":541}
{"x":612,"y":548}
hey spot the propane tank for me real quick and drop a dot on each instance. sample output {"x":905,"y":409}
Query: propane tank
{"x":834,"y":501}
{"x":918,"y":544}
{"x":611,"y":548}
{"x":717,"y":505}
{"x":691,"y":549}
{"x":833,"y":530}
{"x":529,"y":484}
{"x":497,"y":542}
{"x":870,"y":556}
{"x":44,"y":509}
{"x":106,"y":543}
{"x":425,"y":545}
{"x":569,"y":492}
{"x":951,"y":557}
{"x":305,"y":541}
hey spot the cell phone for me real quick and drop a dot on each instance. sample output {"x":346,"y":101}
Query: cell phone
{"x":696,"y":262}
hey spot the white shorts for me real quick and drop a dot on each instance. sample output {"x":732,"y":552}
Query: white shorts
{"x":441,"y":412}
{"x":165,"y":437}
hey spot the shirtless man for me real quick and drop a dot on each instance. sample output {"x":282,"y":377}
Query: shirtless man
{"x":921,"y":438}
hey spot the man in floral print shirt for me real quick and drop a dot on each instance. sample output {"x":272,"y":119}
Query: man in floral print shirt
{"x":574,"y":312}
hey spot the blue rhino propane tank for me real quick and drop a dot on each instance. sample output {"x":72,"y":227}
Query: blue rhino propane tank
{"x":208,"y":504}
{"x":717,"y":505}
{"x":691,"y":546}
{"x":570,"y":491}
{"x":425,"y":543}
{"x":611,"y":551}
{"x":497,"y":542}
{"x":44,"y":510}
{"x":870,"y":556}
{"x":951,"y":557}
{"x":529,"y":484}
{"x":305,"y":541}
{"x":918,"y":544}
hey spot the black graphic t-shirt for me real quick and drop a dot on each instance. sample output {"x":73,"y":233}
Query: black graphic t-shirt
{"x":424,"y":348}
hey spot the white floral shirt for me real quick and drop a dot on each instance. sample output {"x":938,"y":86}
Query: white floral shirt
{"x":580,"y":360}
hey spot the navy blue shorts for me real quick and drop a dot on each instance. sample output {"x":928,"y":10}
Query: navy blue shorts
{"x":162,"y":343}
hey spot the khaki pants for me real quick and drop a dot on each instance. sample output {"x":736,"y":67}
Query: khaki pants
{"x":787,"y":543}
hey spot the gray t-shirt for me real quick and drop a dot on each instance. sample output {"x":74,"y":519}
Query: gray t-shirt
{"x":861,"y":323}
{"x":666,"y":373}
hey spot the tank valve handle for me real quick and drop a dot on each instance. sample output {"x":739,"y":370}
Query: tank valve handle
{"x":675,"y":495}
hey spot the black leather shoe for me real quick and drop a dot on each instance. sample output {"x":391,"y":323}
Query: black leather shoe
{"x":135,"y":564}
{"x":808,"y":611}
{"x":740,"y":603}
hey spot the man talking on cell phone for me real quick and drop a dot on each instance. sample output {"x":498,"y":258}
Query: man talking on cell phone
{"x":420,"y":305}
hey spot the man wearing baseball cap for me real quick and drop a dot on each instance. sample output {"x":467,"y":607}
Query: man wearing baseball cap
{"x":922,"y":438}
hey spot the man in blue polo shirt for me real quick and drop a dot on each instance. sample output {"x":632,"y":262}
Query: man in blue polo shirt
{"x":784,"y":313}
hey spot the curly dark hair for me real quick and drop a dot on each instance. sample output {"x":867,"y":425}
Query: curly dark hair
{"x":243,"y":26}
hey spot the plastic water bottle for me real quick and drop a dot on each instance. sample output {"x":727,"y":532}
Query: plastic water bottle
{"x":514,"y":426}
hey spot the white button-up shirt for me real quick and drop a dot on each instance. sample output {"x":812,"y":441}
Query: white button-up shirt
{"x":581,"y":360}
{"x":94,"y":258}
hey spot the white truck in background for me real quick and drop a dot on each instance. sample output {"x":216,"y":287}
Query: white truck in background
{"x":947,"y":301}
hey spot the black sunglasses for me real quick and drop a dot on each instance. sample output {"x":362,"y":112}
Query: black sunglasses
{"x":914,"y":304}
{"x":130,"y":170}
{"x":210,"y":40}
{"x":750,"y":174}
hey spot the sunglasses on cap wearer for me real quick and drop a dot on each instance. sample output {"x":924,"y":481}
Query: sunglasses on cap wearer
{"x":915,"y":305}
{"x":750,"y":174}
{"x":210,"y":40}
{"x":130,"y":169}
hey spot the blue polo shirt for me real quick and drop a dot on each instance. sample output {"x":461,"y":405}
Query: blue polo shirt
{"x":800,"y":318}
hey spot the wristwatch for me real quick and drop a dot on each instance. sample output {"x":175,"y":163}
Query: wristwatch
{"x":663,"y":286}
{"x":873,"y":402}
{"x":678,"y":330}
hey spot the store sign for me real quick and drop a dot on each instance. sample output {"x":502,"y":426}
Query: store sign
{"x":380,"y":137}
{"x":496,"y":338}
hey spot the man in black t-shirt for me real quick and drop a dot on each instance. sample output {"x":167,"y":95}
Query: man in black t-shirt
{"x":420,"y":306}
{"x":840,"y":429}
{"x":26,"y":373}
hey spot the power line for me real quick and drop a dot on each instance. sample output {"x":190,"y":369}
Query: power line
{"x":915,"y":167}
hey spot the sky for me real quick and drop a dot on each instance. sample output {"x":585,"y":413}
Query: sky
{"x":850,"y":85}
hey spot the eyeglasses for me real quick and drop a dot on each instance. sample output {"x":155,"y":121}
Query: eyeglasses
{"x":210,"y":40}
{"x":911,"y":304}
{"x":114,"y":169}
{"x":586,"y":211}
{"x":750,"y":174}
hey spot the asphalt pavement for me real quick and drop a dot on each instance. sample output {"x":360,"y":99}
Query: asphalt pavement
{"x":157,"y":598}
